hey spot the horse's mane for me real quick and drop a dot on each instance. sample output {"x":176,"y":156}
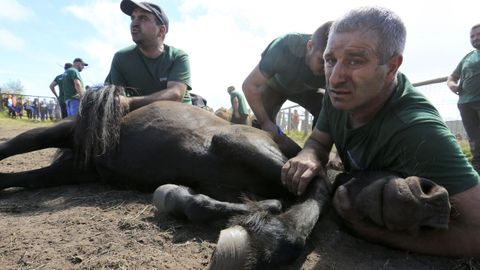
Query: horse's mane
{"x":98,"y":123}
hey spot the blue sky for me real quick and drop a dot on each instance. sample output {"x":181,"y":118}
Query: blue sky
{"x":224,"y":38}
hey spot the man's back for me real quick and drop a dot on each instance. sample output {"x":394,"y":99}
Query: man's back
{"x":284,"y":63}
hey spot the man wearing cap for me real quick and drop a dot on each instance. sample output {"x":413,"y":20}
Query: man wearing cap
{"x":73,"y":86}
{"x":61,"y":95}
{"x":149,"y":70}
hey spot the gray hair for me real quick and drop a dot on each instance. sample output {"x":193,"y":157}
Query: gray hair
{"x":386,"y":26}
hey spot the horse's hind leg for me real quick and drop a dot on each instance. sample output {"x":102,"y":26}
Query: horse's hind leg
{"x":61,"y":172}
{"x":58,"y":135}
{"x":251,"y":148}
{"x":182,"y":201}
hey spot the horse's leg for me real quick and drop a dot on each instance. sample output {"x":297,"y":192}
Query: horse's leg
{"x":61,"y":172}
{"x":182,"y":201}
{"x":250,"y":147}
{"x":58,"y":135}
{"x":261,"y":240}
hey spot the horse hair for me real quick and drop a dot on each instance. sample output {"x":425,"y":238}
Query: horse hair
{"x":98,"y":123}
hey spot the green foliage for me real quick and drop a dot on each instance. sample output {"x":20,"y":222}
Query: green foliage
{"x":465,"y":149}
{"x":13,"y":87}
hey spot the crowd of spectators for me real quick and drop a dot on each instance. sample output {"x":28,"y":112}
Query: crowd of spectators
{"x":35,"y":108}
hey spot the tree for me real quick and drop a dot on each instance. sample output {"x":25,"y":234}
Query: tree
{"x":14,"y":87}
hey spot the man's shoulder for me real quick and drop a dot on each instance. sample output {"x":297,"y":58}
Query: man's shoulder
{"x":473,"y":54}
{"x":59,"y":77}
{"x":289,"y":45}
{"x":126,"y":51}
{"x":176,"y":52}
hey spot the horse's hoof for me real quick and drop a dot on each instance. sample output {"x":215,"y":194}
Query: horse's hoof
{"x":231,"y":251}
{"x":160,"y":198}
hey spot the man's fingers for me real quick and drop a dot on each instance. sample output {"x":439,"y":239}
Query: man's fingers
{"x":284,"y":173}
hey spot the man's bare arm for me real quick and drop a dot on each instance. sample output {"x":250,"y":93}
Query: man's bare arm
{"x":252,"y":88}
{"x":299,"y":171}
{"x":78,"y":87}
{"x":52,"y":88}
{"x":175,"y":91}
{"x":452,"y":83}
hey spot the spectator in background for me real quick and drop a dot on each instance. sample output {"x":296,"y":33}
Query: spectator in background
{"x":36,"y":109}
{"x":292,"y":69}
{"x":239,"y":106}
{"x":27,"y":106}
{"x":73,"y":86}
{"x":150,"y":70}
{"x":11,"y":108}
{"x":50,"y":109}
{"x":465,"y":82}
{"x":19,"y":108}
{"x":295,"y":120}
{"x":43,"y":110}
{"x":61,"y":95}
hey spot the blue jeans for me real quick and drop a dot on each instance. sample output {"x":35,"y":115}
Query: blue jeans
{"x":72,"y":106}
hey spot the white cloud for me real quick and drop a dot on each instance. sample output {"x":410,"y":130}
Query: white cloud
{"x":111,"y":34}
{"x":9,"y":40}
{"x":14,"y":11}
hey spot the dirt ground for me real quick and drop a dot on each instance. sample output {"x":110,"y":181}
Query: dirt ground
{"x":95,"y":226}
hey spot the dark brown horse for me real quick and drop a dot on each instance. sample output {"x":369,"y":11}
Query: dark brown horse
{"x":198,"y":164}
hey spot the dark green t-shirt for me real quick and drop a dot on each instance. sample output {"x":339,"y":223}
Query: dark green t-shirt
{"x":468,"y":70}
{"x":407,"y":136}
{"x":59,"y":81}
{"x":143,"y":76}
{"x":242,"y":103}
{"x":69,"y":86}
{"x":283,"y":63}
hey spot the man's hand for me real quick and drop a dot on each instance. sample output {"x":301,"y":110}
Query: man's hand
{"x":299,"y":171}
{"x":124,"y":103}
{"x":454,"y":89}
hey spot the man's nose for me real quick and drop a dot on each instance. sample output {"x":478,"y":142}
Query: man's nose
{"x":336,"y":74}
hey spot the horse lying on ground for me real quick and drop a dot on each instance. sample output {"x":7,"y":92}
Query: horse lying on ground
{"x":176,"y":149}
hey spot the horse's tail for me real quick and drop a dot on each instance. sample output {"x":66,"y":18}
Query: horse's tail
{"x":98,"y":123}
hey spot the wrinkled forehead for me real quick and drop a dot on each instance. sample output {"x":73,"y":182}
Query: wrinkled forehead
{"x":357,"y":42}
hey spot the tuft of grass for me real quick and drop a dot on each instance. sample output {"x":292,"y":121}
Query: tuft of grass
{"x":298,"y":136}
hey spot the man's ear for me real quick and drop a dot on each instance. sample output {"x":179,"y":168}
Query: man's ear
{"x":309,"y":45}
{"x":163,"y":30}
{"x":394,"y":64}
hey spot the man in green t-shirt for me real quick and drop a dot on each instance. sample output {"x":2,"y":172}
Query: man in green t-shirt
{"x":379,"y":122}
{"x":465,"y":82}
{"x":73,"y":86}
{"x":61,"y":95}
{"x":291,"y":68}
{"x":239,"y":106}
{"x":149,"y":70}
